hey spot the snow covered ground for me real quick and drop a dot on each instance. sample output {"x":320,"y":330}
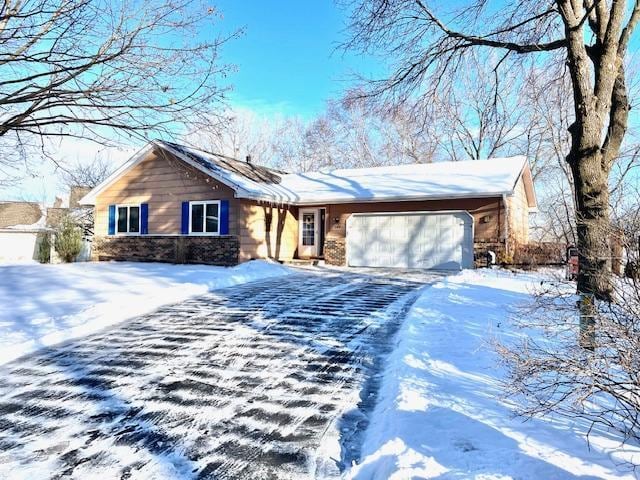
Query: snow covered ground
{"x":271,"y":379}
{"x":441,"y":412}
{"x":42,"y":305}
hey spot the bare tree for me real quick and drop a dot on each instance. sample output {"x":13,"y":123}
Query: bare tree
{"x":550,"y":373}
{"x":548,"y":106}
{"x":345,"y":135}
{"x":286,"y":146}
{"x":475,"y":116}
{"x":428,"y":40}
{"x":87,"y":174}
{"x":409,"y":137}
{"x":548,"y":111}
{"x":89,"y":68}
{"x":237,"y":133}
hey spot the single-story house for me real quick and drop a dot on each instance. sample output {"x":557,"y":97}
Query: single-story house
{"x":175,"y":203}
{"x":22,"y":226}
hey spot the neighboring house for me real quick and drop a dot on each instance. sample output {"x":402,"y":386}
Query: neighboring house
{"x":175,"y":203}
{"x":22,"y":225}
{"x":82,"y":216}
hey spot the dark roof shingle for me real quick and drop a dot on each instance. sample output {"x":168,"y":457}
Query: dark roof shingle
{"x":214,"y":161}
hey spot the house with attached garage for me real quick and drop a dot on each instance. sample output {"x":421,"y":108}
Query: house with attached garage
{"x":176,"y":203}
{"x":22,"y":226}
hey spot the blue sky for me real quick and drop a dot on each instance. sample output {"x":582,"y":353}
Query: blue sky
{"x":287,"y":64}
{"x":287,"y":59}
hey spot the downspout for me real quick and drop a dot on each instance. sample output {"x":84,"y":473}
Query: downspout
{"x":506,"y":224}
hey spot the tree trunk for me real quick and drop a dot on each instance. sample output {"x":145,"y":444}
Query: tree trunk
{"x":592,"y":222}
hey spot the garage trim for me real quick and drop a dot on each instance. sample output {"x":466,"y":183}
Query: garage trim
{"x":404,"y":213}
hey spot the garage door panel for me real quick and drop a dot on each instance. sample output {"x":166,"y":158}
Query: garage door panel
{"x":412,"y":240}
{"x":17,"y":246}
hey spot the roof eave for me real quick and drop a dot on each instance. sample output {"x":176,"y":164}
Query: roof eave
{"x":90,"y":198}
{"x":527,"y":176}
{"x":26,"y":230}
{"x":397,"y":198}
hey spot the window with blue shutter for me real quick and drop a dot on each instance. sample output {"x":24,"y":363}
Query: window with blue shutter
{"x":185,"y":219}
{"x":224,"y":217}
{"x":144,"y":218}
{"x":112,"y":220}
{"x":205,"y":217}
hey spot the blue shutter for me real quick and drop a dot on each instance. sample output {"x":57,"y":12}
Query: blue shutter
{"x":185,"y":218}
{"x":144,"y":218}
{"x":112,"y":220}
{"x":224,"y":217}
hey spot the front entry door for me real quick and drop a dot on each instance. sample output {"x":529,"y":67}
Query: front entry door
{"x":309,"y":233}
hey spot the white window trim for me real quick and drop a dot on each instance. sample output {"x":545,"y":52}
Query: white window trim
{"x":308,"y":251}
{"x":204,"y":221}
{"x":128,"y":206}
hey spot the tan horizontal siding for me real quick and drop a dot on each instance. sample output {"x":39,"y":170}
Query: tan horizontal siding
{"x":163,"y":183}
{"x":519,"y":214}
{"x":280,"y":241}
{"x":148,"y":188}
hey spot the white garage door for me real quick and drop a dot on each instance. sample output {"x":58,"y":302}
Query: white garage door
{"x":17,"y":246}
{"x":411,"y":240}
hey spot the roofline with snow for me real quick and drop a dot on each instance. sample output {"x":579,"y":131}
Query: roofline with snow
{"x":42,"y":229}
{"x":185,"y":158}
{"x":402,"y":198}
{"x":90,"y":198}
{"x":239,"y":192}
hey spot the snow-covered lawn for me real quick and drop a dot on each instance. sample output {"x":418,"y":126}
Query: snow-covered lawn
{"x":41,"y":305}
{"x":441,"y":411}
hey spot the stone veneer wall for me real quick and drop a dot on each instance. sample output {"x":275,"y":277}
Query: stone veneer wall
{"x":335,"y":252}
{"x":480,"y":251}
{"x":220,"y":250}
{"x":521,"y":255}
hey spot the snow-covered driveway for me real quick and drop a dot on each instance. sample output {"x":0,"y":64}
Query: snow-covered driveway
{"x":265,"y":380}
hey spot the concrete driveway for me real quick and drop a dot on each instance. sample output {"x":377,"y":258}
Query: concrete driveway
{"x":272,"y":379}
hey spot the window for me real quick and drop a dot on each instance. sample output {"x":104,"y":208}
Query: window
{"x":128,"y":219}
{"x":308,"y":229}
{"x":204,"y":218}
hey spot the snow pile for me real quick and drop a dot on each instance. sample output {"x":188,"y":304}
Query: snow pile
{"x":47,"y":304}
{"x":441,"y":412}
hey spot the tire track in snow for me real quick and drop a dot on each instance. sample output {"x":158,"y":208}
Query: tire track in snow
{"x":246,"y":382}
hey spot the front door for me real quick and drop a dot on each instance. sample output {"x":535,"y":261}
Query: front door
{"x":309,"y":238}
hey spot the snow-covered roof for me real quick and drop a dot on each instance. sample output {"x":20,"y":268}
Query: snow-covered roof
{"x":401,"y":182}
{"x":15,"y":212}
{"x":440,"y":180}
{"x":39,"y":226}
{"x":22,"y":216}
